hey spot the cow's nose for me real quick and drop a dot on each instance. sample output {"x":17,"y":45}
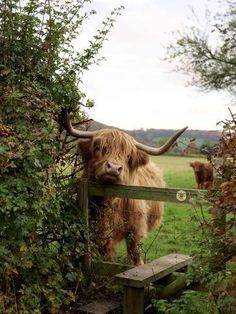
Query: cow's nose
{"x":113,"y":168}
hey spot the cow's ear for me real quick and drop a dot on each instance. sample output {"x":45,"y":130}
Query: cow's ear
{"x":139,"y":159}
{"x":191,"y":164}
{"x":85,"y":149}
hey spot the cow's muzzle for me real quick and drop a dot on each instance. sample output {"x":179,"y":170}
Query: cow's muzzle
{"x":112,"y":171}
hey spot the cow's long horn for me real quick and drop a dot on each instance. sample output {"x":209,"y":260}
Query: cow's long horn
{"x":72,"y":131}
{"x":164,"y":148}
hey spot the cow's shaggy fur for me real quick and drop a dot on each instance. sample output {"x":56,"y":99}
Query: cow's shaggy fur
{"x":203,"y":174}
{"x":128,"y":219}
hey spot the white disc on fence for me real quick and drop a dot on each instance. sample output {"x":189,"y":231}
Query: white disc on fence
{"x":181,"y":195}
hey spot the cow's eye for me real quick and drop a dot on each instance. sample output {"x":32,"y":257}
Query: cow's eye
{"x":104,"y":150}
{"x":96,"y":149}
{"x":97,"y":146}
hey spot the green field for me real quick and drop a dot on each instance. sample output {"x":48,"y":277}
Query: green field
{"x":177,"y":171}
{"x":180,"y":221}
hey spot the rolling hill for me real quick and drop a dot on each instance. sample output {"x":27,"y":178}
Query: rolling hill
{"x":154,"y":137}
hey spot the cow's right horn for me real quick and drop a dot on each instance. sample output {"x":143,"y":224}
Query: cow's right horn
{"x":155,"y":151}
{"x":72,"y":131}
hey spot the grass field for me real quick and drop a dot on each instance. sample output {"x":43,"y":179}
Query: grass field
{"x":180,"y":221}
{"x":177,"y":171}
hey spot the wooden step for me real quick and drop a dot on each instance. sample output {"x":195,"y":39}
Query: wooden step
{"x":135,"y":279}
{"x":143,"y":275}
{"x":99,"y":307}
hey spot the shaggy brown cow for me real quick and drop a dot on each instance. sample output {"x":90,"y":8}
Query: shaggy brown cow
{"x":203,"y":174}
{"x":112,"y":156}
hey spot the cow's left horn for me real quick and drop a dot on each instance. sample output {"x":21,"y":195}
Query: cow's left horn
{"x":164,"y":148}
{"x":72,"y":131}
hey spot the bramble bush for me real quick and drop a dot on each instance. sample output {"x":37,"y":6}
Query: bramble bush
{"x":214,"y":264}
{"x":40,"y":229}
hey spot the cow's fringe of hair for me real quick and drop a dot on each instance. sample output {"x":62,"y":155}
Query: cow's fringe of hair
{"x":116,"y":137}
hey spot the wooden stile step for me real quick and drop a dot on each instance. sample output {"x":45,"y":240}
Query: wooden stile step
{"x":145,"y":274}
{"x":99,"y":307}
{"x":134,"y":280}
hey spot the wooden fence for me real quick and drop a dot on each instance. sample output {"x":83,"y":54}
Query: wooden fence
{"x":88,"y":189}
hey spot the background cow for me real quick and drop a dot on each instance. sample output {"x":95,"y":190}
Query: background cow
{"x":203,"y":174}
{"x":112,"y":156}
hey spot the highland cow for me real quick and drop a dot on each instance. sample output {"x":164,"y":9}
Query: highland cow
{"x":203,"y":174}
{"x":112,"y":156}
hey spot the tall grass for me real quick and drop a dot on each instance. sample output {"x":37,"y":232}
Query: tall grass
{"x":180,"y":221}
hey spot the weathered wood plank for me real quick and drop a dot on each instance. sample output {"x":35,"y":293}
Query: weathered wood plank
{"x":147,"y":193}
{"x":142,"y":275}
{"x":83,"y":205}
{"x":99,"y":307}
{"x":172,"y":288}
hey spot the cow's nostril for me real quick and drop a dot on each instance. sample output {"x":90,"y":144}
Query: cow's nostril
{"x":113,"y":168}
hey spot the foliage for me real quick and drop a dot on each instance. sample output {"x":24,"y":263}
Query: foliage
{"x":214,"y":265}
{"x":40,"y":229}
{"x":192,"y":301}
{"x":208,"y":55}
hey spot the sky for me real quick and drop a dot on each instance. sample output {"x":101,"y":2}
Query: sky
{"x":134,"y":88}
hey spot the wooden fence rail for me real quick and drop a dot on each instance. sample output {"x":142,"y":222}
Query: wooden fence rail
{"x":184,"y":196}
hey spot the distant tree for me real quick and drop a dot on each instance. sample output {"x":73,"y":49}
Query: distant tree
{"x":206,"y":148}
{"x":191,"y":148}
{"x":161,"y":140}
{"x":209,"y":65}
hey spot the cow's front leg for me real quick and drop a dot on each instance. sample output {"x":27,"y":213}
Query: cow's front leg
{"x":108,"y":248}
{"x":133,"y":248}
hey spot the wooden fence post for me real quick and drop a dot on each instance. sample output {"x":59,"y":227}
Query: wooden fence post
{"x":83,"y":205}
{"x":217,"y":164}
{"x":219,"y":215}
{"x":133,"y":300}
